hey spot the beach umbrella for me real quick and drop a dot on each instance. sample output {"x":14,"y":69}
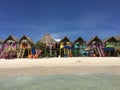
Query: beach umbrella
{"x":109,"y":48}
{"x":67,"y":47}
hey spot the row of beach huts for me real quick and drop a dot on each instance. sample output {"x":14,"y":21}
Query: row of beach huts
{"x":49,"y":47}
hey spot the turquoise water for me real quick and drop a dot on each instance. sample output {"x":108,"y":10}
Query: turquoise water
{"x":62,"y":82}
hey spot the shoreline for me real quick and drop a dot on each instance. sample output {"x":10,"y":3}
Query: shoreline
{"x":59,"y":66}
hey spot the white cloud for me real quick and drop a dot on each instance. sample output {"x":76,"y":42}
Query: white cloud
{"x":57,"y":40}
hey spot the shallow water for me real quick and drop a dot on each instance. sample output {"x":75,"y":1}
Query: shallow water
{"x":62,"y":82}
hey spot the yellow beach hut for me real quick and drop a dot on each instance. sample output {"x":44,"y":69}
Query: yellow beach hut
{"x":65,"y":47}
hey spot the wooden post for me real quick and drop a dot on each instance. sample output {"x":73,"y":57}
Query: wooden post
{"x":109,"y":53}
{"x":64,"y":52}
{"x":45,"y":50}
{"x":60,"y":52}
{"x":28,"y":52}
{"x":50,"y":49}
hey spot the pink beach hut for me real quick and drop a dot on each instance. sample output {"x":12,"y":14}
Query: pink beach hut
{"x":9,"y":47}
{"x":96,"y":47}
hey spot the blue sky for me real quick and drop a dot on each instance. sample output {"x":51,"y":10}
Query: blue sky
{"x":72,"y":18}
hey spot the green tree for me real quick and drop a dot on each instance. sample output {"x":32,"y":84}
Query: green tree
{"x":40,"y":46}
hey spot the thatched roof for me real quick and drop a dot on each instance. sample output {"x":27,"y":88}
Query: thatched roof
{"x":96,"y":38}
{"x":1,"y":41}
{"x":79,"y":40}
{"x":113,"y":39}
{"x":65,"y":39}
{"x":47,"y":38}
{"x":26,"y":39}
{"x":11,"y":38}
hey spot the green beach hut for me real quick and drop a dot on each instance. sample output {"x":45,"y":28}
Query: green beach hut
{"x":109,"y":46}
{"x":79,"y":46}
{"x":117,"y":46}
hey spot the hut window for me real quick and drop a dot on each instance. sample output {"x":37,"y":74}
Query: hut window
{"x":106,"y":43}
{"x":24,"y":44}
{"x":117,"y":44}
{"x":113,"y":43}
{"x":76,"y":45}
{"x":68,"y":44}
{"x":83,"y":43}
{"x":93,"y":42}
{"x":10,"y":43}
{"x":109,"y":43}
{"x":64,"y":43}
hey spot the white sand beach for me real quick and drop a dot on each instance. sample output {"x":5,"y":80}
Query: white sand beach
{"x":51,"y":66}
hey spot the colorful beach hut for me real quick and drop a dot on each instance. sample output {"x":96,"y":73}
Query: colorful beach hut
{"x":109,"y":46}
{"x":50,"y":45}
{"x":96,"y":47}
{"x":79,"y":46}
{"x":1,"y":45}
{"x":9,"y":47}
{"x":25,"y":47}
{"x":65,"y":47}
{"x":117,"y":46}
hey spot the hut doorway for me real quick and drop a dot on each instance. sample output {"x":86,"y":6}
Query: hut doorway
{"x":62,"y":52}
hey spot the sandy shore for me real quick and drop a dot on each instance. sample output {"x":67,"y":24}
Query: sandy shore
{"x":53,"y":66}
